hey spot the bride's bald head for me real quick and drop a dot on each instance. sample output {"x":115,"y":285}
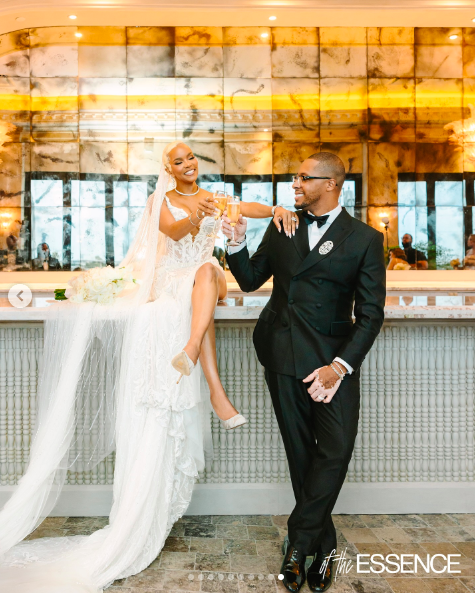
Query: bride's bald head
{"x":179,"y":161}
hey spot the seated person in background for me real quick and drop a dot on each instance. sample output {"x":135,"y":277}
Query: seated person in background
{"x":469,"y":261}
{"x":415,"y":258}
{"x":398,"y":260}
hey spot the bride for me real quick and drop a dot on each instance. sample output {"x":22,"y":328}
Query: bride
{"x":111,"y":379}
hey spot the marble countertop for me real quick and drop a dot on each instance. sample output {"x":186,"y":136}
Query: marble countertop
{"x":252,"y":312}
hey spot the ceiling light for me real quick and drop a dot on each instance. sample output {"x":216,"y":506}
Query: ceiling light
{"x":73,"y":17}
{"x":473,"y":20}
{"x":273,"y":18}
{"x":78,"y":34}
{"x":266,"y":130}
{"x":453,"y":37}
{"x":264,"y":35}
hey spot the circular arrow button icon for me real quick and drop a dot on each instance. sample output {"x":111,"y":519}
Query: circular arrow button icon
{"x":20,"y":296}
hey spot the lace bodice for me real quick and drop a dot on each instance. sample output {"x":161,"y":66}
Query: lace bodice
{"x":189,"y":250}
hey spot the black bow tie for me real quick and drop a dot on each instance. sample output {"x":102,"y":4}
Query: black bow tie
{"x":311,"y":218}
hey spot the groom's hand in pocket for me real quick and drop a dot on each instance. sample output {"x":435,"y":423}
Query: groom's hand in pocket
{"x":324,"y":384}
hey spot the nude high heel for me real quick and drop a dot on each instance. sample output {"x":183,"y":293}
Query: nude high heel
{"x":183,"y":364}
{"x":233,"y":422}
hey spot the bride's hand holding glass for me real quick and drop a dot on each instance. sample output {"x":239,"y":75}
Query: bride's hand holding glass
{"x":207,"y":207}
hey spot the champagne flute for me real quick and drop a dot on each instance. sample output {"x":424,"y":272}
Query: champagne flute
{"x":234,"y":209}
{"x":221,"y":200}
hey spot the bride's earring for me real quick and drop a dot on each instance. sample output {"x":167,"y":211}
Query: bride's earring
{"x":171,"y":183}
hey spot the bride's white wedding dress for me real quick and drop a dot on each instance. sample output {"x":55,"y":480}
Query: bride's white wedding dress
{"x":160,"y":429}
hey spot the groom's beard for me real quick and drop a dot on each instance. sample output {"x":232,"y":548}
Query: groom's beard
{"x":307,"y":203}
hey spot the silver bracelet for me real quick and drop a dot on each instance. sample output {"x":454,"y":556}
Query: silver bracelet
{"x":337,"y":371}
{"x":189,"y":218}
{"x":273,"y":209}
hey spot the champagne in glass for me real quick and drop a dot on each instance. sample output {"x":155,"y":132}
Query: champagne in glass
{"x":221,"y":200}
{"x":234,"y":209}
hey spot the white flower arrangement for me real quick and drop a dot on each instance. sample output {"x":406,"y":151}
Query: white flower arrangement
{"x":402,"y":266}
{"x":99,"y":285}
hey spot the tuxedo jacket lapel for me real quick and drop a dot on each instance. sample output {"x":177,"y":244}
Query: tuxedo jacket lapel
{"x":300,"y":241}
{"x":339,"y":230}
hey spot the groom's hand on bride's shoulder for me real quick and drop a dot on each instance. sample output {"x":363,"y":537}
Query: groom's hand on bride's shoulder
{"x":239,"y":229}
{"x":324,"y":384}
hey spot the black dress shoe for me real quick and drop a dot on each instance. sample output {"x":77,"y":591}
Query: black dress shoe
{"x":293,"y":568}
{"x":321,"y":581}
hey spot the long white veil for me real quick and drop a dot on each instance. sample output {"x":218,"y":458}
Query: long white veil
{"x":86,"y":346}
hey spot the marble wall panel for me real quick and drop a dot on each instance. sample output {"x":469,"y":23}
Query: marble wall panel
{"x":15,"y":107}
{"x":102,"y":52}
{"x":438,"y":158}
{"x":103,"y":109}
{"x":351,"y":153}
{"x":343,"y":36}
{"x":439,"y":61}
{"x":199,"y":108}
{"x":151,"y":107}
{"x":288,"y":156}
{"x":247,"y":52}
{"x":295,"y":109}
{"x":391,"y":109}
{"x":145,"y":158}
{"x":15,"y":162}
{"x":103,"y":157}
{"x":468,"y":61}
{"x":210,"y":157}
{"x":438,"y":102}
{"x":437,"y":35}
{"x":390,"y":60}
{"x":199,"y":52}
{"x":386,"y":160}
{"x":57,"y":157}
{"x":54,"y":109}
{"x":247,"y":109}
{"x":295,"y":52}
{"x":343,"y":109}
{"x":54,"y":52}
{"x":390,"y":35}
{"x":343,"y":61}
{"x":14,"y":54}
{"x":150,"y":51}
{"x":468,"y":35}
{"x":248,"y":158}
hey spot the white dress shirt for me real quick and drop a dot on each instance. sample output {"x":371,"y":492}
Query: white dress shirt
{"x":314,"y":236}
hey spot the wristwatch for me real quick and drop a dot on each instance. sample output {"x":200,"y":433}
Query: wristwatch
{"x":238,"y":242}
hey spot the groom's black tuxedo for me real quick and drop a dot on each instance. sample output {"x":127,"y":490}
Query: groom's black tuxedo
{"x":305,"y":325}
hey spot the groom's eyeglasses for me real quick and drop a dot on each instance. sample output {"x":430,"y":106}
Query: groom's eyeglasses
{"x":307,"y":177}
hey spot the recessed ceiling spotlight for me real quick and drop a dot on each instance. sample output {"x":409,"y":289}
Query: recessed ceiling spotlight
{"x":453,"y":37}
{"x":273,"y":18}
{"x":266,"y":130}
{"x":78,"y":34}
{"x":20,"y":19}
{"x":473,"y":20}
{"x":73,"y":17}
{"x":264,"y":35}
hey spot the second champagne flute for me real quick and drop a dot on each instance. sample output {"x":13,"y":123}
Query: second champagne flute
{"x":234,"y":209}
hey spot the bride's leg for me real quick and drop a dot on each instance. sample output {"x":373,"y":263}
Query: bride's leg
{"x":219,"y":400}
{"x":203,"y":301}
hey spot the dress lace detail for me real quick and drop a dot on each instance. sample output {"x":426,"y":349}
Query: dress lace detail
{"x":159,"y":444}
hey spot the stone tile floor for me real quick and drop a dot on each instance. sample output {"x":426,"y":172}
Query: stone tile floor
{"x":241,"y":554}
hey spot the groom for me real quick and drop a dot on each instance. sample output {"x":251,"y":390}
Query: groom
{"x":312,"y":351}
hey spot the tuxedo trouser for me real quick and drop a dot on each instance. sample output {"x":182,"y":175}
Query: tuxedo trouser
{"x":318,"y":440}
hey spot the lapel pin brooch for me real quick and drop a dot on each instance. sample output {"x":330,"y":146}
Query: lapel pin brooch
{"x":325,"y":247}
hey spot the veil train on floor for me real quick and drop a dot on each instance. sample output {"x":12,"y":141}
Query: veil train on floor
{"x":93,"y":374}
